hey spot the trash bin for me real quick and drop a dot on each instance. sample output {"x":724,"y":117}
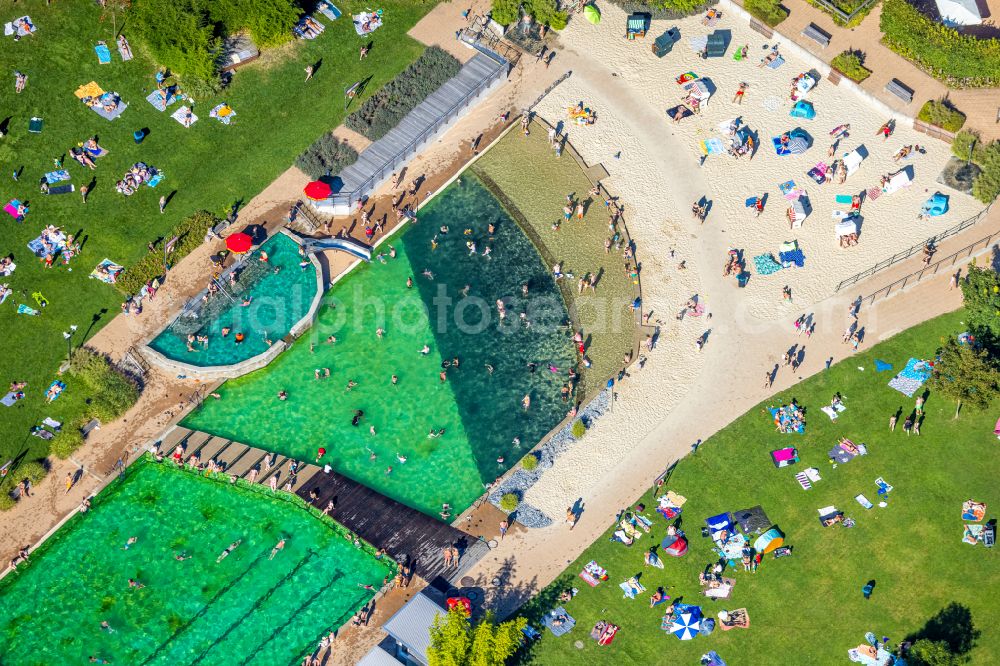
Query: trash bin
{"x":138,"y":135}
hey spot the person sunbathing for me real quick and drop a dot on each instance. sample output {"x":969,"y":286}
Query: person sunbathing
{"x":848,"y":446}
{"x":123,"y":45}
{"x":771,"y":57}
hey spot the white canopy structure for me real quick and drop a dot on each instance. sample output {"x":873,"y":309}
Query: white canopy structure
{"x":959,"y":12}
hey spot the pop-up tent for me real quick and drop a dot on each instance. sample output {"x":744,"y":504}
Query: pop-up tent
{"x":769,"y":540}
{"x":674,"y":545}
{"x":936,"y":205}
{"x":803,"y":109}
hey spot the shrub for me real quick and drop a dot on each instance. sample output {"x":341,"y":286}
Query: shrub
{"x":961,"y":61}
{"x":325,"y":156}
{"x":852,"y":65}
{"x":6,"y":501}
{"x":965,"y":141}
{"x":769,"y":11}
{"x":986,"y":187}
{"x":943,"y":114}
{"x":383,"y":110}
{"x":269,"y":22}
{"x":506,"y":12}
{"x":66,"y":443}
{"x":190,"y":232}
{"x":530,"y":462}
{"x":666,"y":9}
{"x":33,"y":470}
{"x":179,"y":35}
{"x":579,"y":429}
{"x":509,"y":502}
{"x":546,"y":13}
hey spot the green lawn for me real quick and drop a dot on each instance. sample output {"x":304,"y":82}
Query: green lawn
{"x":207,"y":166}
{"x":810,"y":604}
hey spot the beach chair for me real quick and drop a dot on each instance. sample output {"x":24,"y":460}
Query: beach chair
{"x":103,"y":53}
{"x":636,"y":25}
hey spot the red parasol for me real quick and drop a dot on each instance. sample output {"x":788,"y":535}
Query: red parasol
{"x":239,"y":242}
{"x":317,"y":190}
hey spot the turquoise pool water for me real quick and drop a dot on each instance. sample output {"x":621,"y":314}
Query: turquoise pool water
{"x":280,"y":294}
{"x":246,"y":609}
{"x":486,"y":430}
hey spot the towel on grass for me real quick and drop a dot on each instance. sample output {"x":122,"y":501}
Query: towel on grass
{"x":863,"y":501}
{"x":54,"y":391}
{"x":973,"y":510}
{"x":103,"y":54}
{"x":882,"y":365}
{"x":25,"y":310}
{"x":181,"y":116}
{"x":329,"y":10}
{"x":89,"y":90}
{"x":223,"y":113}
{"x":53,"y":177}
{"x":107,"y":271}
{"x":631,"y":588}
{"x":803,"y":480}
{"x":25,"y":26}
{"x":61,"y":189}
{"x":110,"y":115}
{"x":973,"y":534}
{"x":560,"y":629}
{"x":832,"y":411}
{"x":912,"y":377}
{"x":11,"y":207}
{"x":156,"y":98}
{"x":124,"y":50}
{"x":12,"y":397}
{"x":766,"y":265}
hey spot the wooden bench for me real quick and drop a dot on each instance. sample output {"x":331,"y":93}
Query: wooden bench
{"x":813,"y":32}
{"x":897,"y":88}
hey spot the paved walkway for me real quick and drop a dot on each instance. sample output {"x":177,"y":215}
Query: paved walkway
{"x":980,"y":105}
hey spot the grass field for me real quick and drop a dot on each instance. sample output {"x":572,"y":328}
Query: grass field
{"x":208,"y":166}
{"x":927,"y":582}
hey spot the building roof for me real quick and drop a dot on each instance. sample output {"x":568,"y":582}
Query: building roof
{"x":959,"y":12}
{"x":411,"y":624}
{"x":378,"y":657}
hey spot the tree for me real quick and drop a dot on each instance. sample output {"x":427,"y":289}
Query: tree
{"x":981,"y":293}
{"x":456,"y":642}
{"x":926,"y":652}
{"x":966,"y":375}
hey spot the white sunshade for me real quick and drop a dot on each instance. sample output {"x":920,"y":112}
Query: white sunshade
{"x":959,"y":12}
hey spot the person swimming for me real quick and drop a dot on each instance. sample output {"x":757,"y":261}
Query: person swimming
{"x":426,"y":350}
{"x":233,"y":546}
{"x":357,"y":417}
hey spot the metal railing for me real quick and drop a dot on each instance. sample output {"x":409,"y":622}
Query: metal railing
{"x":909,"y":252}
{"x":349,"y":198}
{"x":932,"y":269}
{"x":478,"y":33}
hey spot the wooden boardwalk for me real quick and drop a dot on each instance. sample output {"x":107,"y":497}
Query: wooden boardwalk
{"x":379,"y":520}
{"x":377,"y":162}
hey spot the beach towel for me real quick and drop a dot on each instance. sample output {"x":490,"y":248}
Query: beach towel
{"x":54,"y":391}
{"x":8,"y":270}
{"x":793,"y":258}
{"x":107,"y":271}
{"x":832,"y":411}
{"x":884,"y":488}
{"x":12,"y":397}
{"x":803,"y":480}
{"x":53,"y":177}
{"x":124,"y":50}
{"x":844,"y":199}
{"x":766,"y":265}
{"x":89,"y":90}
{"x":973,"y":510}
{"x":711,"y":146}
{"x":686,"y":77}
{"x":882,"y":365}
{"x":22,"y":26}
{"x":61,"y":189}
{"x":103,"y":54}
{"x":156,"y":98}
{"x":329,"y":10}
{"x":776,"y":63}
{"x":52,"y":423}
{"x":181,"y":116}
{"x":109,"y":115}
{"x":685,"y":112}
{"x":558,"y":629}
{"x":367,"y":22}
{"x":818,"y":173}
{"x":223,"y":113}
{"x":973,"y":534}
{"x":25,"y":310}
{"x":631,"y":589}
{"x":912,"y":377}
{"x":698,"y":43}
{"x":11,"y":208}
{"x":790,"y":191}
{"x":156,"y":179}
{"x":863,"y":501}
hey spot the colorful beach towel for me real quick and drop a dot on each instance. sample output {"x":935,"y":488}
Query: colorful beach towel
{"x":107,"y":271}
{"x":881,"y":366}
{"x":973,"y":534}
{"x":223,"y":113}
{"x":844,"y":199}
{"x":11,"y":208}
{"x":53,"y":177}
{"x":711,"y":146}
{"x":818,"y":173}
{"x":685,"y":78}
{"x":973,"y":510}
{"x":788,"y":189}
{"x":54,"y":391}
{"x":874,"y":193}
{"x":25,"y":310}
{"x":912,"y":377}
{"x":161,"y":99}
{"x":103,"y":54}
{"x":766,"y":265}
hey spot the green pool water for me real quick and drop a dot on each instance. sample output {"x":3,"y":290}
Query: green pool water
{"x":479,"y":411}
{"x":247,"y":609}
{"x":280,"y":294}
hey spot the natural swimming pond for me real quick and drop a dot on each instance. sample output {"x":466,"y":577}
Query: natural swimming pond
{"x":478,"y":405}
{"x":246,"y":609}
{"x":277,"y":293}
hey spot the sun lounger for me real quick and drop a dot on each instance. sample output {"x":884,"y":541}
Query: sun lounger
{"x":329,"y":10}
{"x":223,"y":113}
{"x":103,"y":54}
{"x":181,"y":116}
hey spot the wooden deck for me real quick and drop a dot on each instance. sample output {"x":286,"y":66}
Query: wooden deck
{"x":377,"y":519}
{"x":386,"y":154}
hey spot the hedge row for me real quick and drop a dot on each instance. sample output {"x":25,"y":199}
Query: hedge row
{"x":387,"y":107}
{"x":852,"y":65}
{"x":190,"y":234}
{"x":110,"y":394}
{"x":544,"y":12}
{"x":769,"y":11}
{"x":942,"y":114}
{"x":666,"y":9}
{"x":961,"y":61}
{"x":325,"y":156}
